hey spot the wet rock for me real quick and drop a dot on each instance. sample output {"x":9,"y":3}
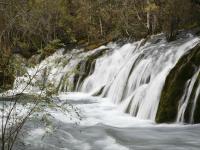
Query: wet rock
{"x":174,"y":88}
{"x":86,"y":67}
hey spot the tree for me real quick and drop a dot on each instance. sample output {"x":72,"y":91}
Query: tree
{"x":176,"y":14}
{"x":30,"y":25}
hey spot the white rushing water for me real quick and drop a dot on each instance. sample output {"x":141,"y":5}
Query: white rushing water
{"x":185,"y":98}
{"x":103,"y":84}
{"x":131,"y":76}
{"x":56,"y":71}
{"x":194,"y":104}
{"x":104,"y":127}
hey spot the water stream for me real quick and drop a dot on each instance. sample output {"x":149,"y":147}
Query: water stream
{"x":117,"y":93}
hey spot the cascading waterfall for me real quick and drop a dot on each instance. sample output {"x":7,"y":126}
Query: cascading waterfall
{"x":185,"y":99}
{"x":194,"y":104}
{"x":139,"y":75}
{"x":56,"y":71}
{"x":131,"y":76}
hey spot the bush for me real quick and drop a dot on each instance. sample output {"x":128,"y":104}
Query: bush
{"x":51,"y":47}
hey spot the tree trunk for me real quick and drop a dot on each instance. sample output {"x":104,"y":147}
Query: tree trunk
{"x":148,"y":18}
{"x":101,"y":26}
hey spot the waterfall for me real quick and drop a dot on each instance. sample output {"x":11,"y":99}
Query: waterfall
{"x":131,"y":76}
{"x":57,"y":71}
{"x":185,"y":99}
{"x":194,"y":103}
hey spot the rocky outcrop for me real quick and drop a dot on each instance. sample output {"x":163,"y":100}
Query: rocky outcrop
{"x":86,"y":67}
{"x":173,"y":89}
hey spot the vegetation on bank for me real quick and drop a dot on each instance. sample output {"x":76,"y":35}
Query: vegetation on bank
{"x":27,"y":26}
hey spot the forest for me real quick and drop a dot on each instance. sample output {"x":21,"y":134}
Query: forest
{"x":29,"y":25}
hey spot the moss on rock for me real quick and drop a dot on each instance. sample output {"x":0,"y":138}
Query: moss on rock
{"x":174,"y":86}
{"x":86,"y":67}
{"x":197,"y":110}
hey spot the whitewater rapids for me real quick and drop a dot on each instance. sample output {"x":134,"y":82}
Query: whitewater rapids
{"x":104,"y":127}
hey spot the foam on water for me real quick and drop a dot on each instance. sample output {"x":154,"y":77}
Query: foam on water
{"x":104,"y":127}
{"x":96,"y":110}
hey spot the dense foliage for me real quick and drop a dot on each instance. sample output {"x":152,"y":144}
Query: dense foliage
{"x":32,"y":24}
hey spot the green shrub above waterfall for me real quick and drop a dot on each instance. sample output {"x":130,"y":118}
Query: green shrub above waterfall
{"x":175,"y":86}
{"x":51,"y":47}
